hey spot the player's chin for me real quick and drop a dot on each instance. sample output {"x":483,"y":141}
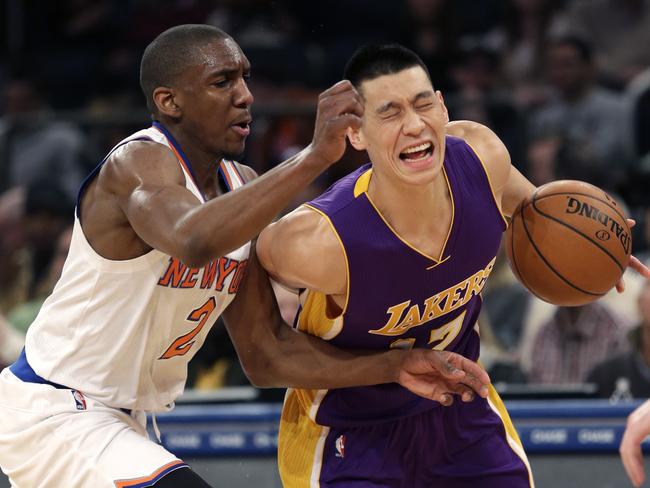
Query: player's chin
{"x":234,"y":150}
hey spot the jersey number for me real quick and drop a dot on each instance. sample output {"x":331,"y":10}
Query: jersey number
{"x":446,"y":333}
{"x":442,"y":335}
{"x":184,"y":343}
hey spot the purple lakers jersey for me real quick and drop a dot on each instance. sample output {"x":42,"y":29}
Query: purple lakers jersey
{"x":398,"y":296}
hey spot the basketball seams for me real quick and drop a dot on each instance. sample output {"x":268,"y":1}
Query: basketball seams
{"x":539,"y":253}
{"x":555,"y":219}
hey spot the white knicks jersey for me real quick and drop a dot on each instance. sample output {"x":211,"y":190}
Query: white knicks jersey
{"x":122,"y":332}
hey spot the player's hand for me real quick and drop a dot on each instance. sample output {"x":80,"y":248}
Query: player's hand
{"x":635,"y":264}
{"x":438,"y":375}
{"x":339,"y":108}
{"x":637,"y":429}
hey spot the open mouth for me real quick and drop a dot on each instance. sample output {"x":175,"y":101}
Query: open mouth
{"x":417,"y":153}
{"x":242,"y":128}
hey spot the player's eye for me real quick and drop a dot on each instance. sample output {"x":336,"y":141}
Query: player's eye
{"x":390,"y":115}
{"x":221,"y":83}
{"x":424,"y":106}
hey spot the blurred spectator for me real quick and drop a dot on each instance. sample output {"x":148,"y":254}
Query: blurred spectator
{"x":582,"y":132}
{"x":13,"y":254}
{"x":634,"y":365}
{"x":35,"y":147}
{"x":573,"y":341}
{"x":481,"y":96}
{"x":506,"y":304}
{"x":521,"y":39}
{"x":638,"y":93}
{"x":22,"y":316}
{"x":430,"y":28}
{"x":619,"y":31}
{"x":48,"y":212}
{"x":11,"y":342}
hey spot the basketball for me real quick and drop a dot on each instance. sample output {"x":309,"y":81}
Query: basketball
{"x":569,"y":243}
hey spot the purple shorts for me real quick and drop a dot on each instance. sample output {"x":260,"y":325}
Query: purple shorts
{"x":467,"y":445}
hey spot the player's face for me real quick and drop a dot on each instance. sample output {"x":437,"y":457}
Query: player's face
{"x":403,"y":126}
{"x":215,"y":98}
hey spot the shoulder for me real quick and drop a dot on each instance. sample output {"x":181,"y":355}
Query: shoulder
{"x":305,"y":231}
{"x":138,"y":163}
{"x":488,"y":148}
{"x":302,"y":250}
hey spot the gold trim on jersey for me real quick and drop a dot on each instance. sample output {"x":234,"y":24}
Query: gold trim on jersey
{"x":345,"y":254}
{"x":300,"y":445}
{"x":511,"y":433}
{"x":314,"y":319}
{"x":487,"y":174}
{"x":363,"y":181}
{"x":361,"y":186}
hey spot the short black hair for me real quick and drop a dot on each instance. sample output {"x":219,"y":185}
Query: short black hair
{"x":584,"y":49}
{"x":171,"y":53}
{"x":374,"y":60}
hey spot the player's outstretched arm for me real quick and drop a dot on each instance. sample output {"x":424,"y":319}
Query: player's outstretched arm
{"x":150,"y":188}
{"x":638,"y":428}
{"x":509,"y":185}
{"x":274,"y":355}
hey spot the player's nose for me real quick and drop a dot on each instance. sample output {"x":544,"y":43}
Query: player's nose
{"x":413,"y":124}
{"x":243,"y":96}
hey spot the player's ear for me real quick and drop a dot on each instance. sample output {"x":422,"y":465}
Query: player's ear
{"x":356,"y":139}
{"x":441,"y":100}
{"x":163,"y":98}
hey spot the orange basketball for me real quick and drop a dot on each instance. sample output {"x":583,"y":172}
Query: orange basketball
{"x":569,"y":243}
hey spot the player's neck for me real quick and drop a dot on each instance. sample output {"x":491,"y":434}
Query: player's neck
{"x":204,"y":163}
{"x":408,"y":208}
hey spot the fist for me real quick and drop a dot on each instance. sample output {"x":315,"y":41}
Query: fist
{"x":339,"y":108}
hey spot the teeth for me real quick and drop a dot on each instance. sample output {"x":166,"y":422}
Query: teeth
{"x":421,"y":147}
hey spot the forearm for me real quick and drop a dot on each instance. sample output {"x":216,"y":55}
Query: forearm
{"x":228,"y":222}
{"x":299,"y":360}
{"x":272,"y":354}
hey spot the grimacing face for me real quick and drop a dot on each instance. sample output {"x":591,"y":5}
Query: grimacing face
{"x":214,"y":97}
{"x":403,"y":126}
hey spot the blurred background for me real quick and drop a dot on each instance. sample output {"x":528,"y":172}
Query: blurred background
{"x":564,"y":83}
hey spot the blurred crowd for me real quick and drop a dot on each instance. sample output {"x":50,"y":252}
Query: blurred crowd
{"x":564,"y":83}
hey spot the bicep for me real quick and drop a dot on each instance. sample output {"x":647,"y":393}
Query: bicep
{"x":149,"y":187}
{"x":301,"y":251}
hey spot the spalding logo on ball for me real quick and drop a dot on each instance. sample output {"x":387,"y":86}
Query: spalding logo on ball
{"x":569,"y":243}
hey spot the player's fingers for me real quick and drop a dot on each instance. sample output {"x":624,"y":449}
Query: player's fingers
{"x":631,"y":223}
{"x":343,"y":105}
{"x":632,"y":461}
{"x":446,"y":399}
{"x":471,"y":368}
{"x":342,"y":122}
{"x":464,"y":392}
{"x":340,"y":87}
{"x":620,"y":285}
{"x":639,"y":267}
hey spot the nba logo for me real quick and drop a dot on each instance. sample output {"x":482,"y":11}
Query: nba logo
{"x":79,"y":400}
{"x":340,"y":446}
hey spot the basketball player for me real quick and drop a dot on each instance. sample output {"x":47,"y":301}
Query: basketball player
{"x":395,"y":255}
{"x":160,"y":244}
